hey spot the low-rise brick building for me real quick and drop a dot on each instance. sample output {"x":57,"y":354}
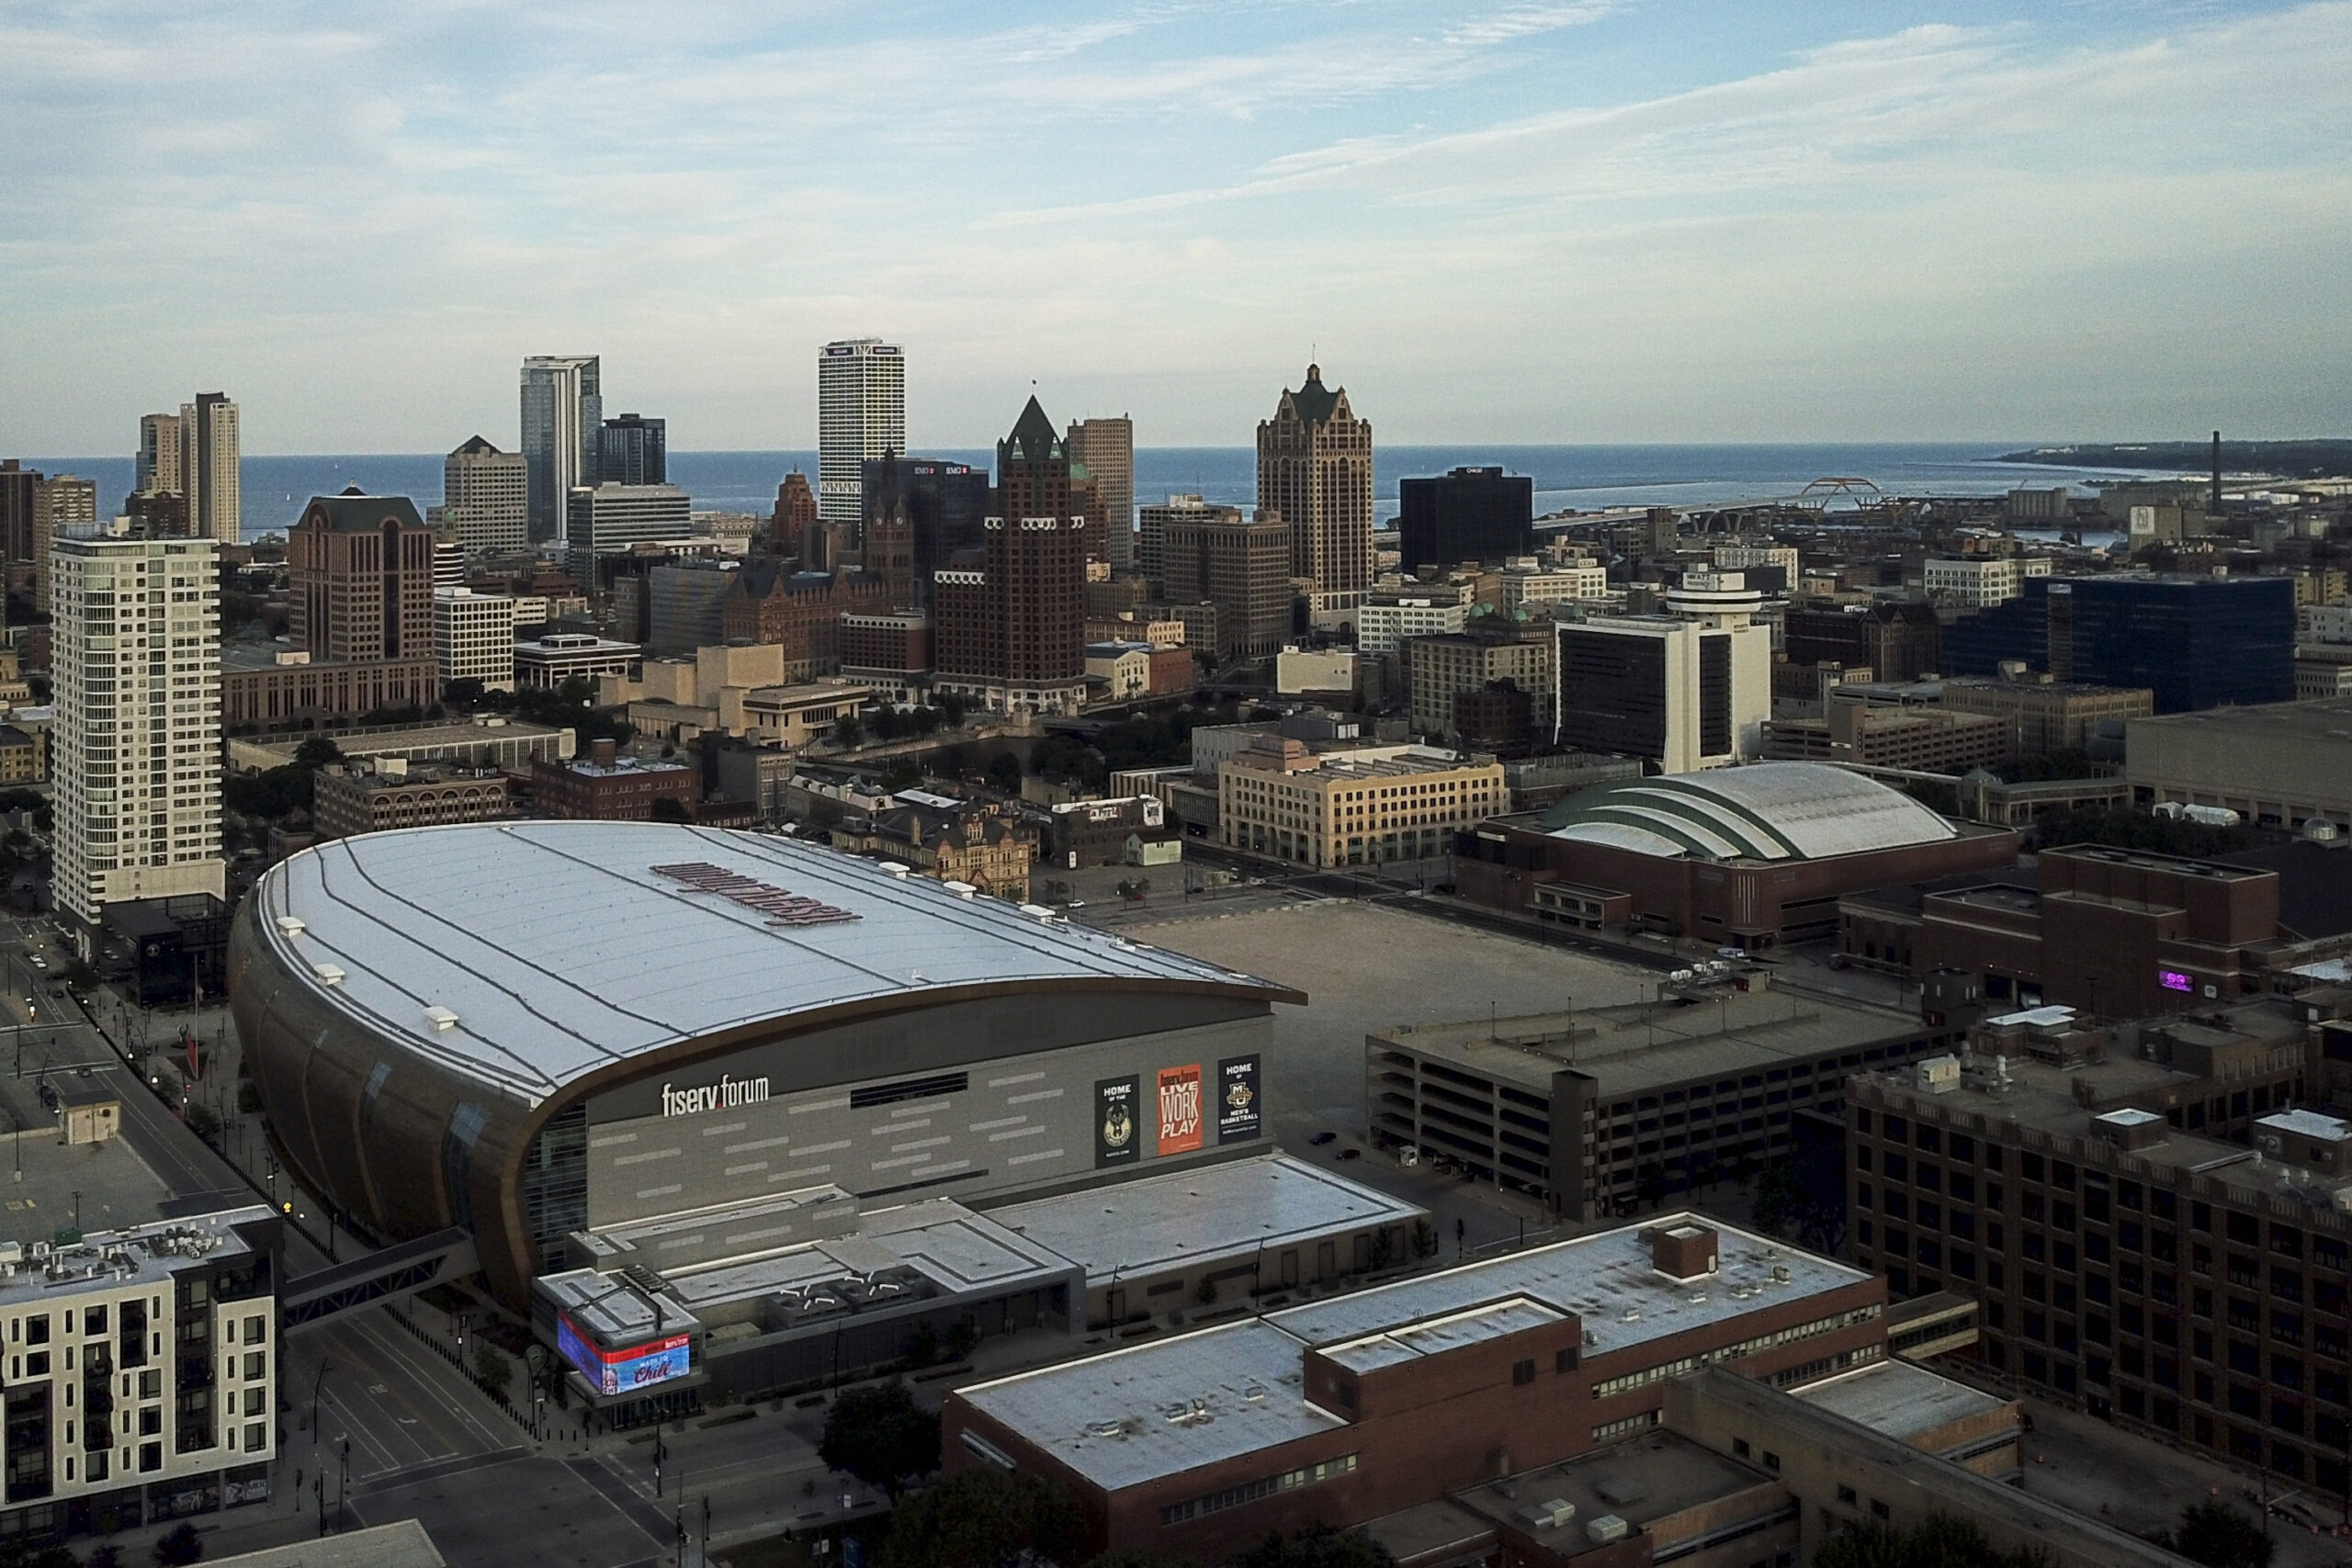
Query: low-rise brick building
{"x":391,"y":794}
{"x":607,"y":787}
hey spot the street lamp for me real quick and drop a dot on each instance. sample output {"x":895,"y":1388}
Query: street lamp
{"x":316,"y":1383}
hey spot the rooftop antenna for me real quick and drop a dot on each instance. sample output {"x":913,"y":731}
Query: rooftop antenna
{"x":2217,"y":473}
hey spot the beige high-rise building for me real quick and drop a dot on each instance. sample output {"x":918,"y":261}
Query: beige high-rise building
{"x":1107,"y":448}
{"x":485,"y":496}
{"x":1314,"y":470}
{"x":209,"y":452}
{"x":159,"y":455}
{"x":136,"y":736}
{"x":62,"y":504}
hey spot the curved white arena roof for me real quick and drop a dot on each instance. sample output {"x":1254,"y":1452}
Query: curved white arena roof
{"x":1769,"y":811}
{"x":528,"y":954}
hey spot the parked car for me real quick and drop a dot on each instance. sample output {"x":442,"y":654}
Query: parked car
{"x":1321,"y":1138}
{"x":1351,"y":1153}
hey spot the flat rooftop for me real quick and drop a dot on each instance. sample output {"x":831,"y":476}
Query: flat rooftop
{"x":938,"y":1238}
{"x":398,"y":740}
{"x":147,"y":1253}
{"x":1648,"y":1478}
{"x":1720,"y":1030}
{"x":1159,"y":1223}
{"x":561,"y":949}
{"x":2327,"y":720}
{"x":116,"y":1185}
{"x":1900,"y":1399}
{"x":1164,"y":1407}
{"x":1170,"y":1405}
{"x":1605,"y":1277}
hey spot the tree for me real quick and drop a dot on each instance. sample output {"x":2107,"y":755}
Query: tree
{"x":179,"y":1546}
{"x":848,"y":731}
{"x":491,"y":1367}
{"x":982,"y":1517}
{"x":2219,"y":1536}
{"x":1777,"y":1198}
{"x":317,"y":752}
{"x":951,"y":707}
{"x":668,"y":808}
{"x":1005,"y":773}
{"x":881,"y":1436}
{"x":1650,"y":1183}
{"x":1317,"y":1546}
{"x":1424,"y":1238}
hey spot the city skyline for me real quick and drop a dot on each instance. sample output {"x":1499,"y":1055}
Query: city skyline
{"x":1584,"y":222}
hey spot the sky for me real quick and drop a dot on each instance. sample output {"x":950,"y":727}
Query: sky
{"x":1521,"y":221}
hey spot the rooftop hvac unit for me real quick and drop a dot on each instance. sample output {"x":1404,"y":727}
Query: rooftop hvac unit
{"x":439,"y":1019}
{"x":328,"y":974}
{"x":291,"y":925}
{"x":1550,"y":1513}
{"x":1605,"y":1529}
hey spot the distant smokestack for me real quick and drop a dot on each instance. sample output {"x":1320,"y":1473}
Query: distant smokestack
{"x":2216,"y":506}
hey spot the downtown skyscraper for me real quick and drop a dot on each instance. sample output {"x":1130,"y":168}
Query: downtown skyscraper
{"x":1315,"y":469}
{"x":1105,"y":448}
{"x":210,"y":476}
{"x":137,"y":656}
{"x":563,"y":420}
{"x":861,"y":413}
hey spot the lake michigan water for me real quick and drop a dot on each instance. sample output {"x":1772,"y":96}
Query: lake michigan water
{"x":1581,"y":477}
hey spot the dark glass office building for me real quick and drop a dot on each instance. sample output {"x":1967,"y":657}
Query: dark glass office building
{"x":633,"y":450}
{"x":1481,"y":515}
{"x":2197,"y":642}
{"x":947,"y":505}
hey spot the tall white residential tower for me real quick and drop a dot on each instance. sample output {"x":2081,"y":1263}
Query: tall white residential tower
{"x":861,"y":413}
{"x":136,"y":630}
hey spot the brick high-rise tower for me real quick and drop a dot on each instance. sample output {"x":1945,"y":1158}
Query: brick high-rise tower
{"x":1011,"y":624}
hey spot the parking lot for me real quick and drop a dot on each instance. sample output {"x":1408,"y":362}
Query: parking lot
{"x":1369,"y":966}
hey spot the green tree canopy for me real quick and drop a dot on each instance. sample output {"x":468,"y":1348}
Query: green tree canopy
{"x":669,"y":809}
{"x":2219,"y":1536}
{"x":983,"y":1517}
{"x":881,"y":1436}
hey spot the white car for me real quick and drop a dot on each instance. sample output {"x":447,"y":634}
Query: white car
{"x":40,"y":963}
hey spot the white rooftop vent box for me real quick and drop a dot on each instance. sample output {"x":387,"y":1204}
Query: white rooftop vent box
{"x":962,"y":889}
{"x":1605,"y":1529}
{"x":328,"y":974}
{"x":440,"y":1018}
{"x":291,"y":925}
{"x":1936,"y":1075}
{"x":2129,"y":1127}
{"x":1548,"y":1515}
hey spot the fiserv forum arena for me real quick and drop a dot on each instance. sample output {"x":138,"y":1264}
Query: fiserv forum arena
{"x":536,"y":1029}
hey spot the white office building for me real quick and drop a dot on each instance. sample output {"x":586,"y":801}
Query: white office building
{"x":563,"y":418}
{"x":861,"y":413}
{"x":473,"y":638}
{"x":1687,"y":690}
{"x":136,"y":652}
{"x":606,"y":520}
{"x":1385,"y":620}
{"x":485,"y":498}
{"x":1979,"y":583}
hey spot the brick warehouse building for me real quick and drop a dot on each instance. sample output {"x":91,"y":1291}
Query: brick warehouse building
{"x":1753,"y":857}
{"x":1345,"y":1409}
